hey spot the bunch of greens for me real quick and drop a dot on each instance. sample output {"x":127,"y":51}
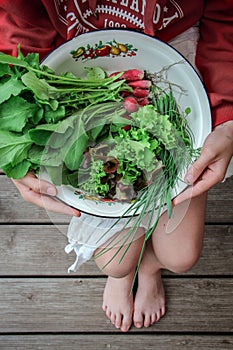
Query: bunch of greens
{"x":129,"y":159}
{"x":36,"y":106}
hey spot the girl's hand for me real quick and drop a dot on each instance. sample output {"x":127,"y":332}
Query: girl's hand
{"x":42,"y":193}
{"x":210,"y":168}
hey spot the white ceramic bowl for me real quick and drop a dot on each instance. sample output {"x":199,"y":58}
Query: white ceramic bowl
{"x":145,"y":53}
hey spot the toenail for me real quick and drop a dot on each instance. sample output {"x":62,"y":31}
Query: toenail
{"x":138,"y":325}
{"x":124,"y":329}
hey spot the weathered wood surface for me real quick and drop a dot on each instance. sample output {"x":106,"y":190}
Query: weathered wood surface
{"x":14,"y":209}
{"x":38,"y":250}
{"x":42,"y":307}
{"x":116,"y":342}
{"x":74,"y":305}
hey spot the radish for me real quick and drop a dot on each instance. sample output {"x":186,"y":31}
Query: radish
{"x":126,"y":127}
{"x":130,"y":74}
{"x":126,"y":93}
{"x":130,"y":104}
{"x":142,"y":84}
{"x":133,"y":74}
{"x":140,"y":93}
{"x":143,"y":102}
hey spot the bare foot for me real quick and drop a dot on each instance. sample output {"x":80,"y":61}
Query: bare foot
{"x":118,"y":302}
{"x":149,"y":304}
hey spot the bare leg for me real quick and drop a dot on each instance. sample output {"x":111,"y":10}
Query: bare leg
{"x":117,"y":297}
{"x":118,"y":301}
{"x":176,"y":251}
{"x":177,"y":242}
{"x":149,"y":305}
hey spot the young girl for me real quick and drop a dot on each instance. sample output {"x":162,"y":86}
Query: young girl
{"x":40,"y":26}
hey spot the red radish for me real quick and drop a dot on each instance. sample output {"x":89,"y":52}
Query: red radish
{"x":130,"y":74}
{"x":137,"y":92}
{"x":130,"y":104}
{"x":142,"y":84}
{"x":115,"y":73}
{"x":133,"y":74}
{"x":127,"y":127}
{"x":143,"y":102}
{"x":126,"y":93}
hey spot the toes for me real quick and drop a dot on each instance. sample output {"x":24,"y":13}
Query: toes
{"x":147,"y":320}
{"x":138,"y":324}
{"x":160,"y":313}
{"x":118,"y":321}
{"x":158,"y":316}
{"x":113,"y":318}
{"x":108,"y":313}
{"x":163,"y":310}
{"x":126,"y":323}
{"x":153,"y":318}
{"x":138,"y":320}
{"x":104,"y":307}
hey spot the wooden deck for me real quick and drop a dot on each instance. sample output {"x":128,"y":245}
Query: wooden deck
{"x":43,"y":307}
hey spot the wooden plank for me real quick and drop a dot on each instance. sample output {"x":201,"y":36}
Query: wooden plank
{"x":116,"y":342}
{"x":38,"y":250}
{"x":220,"y":202}
{"x":34,"y":250}
{"x":14,"y":209}
{"x":74,"y":305}
{"x":216,"y":257}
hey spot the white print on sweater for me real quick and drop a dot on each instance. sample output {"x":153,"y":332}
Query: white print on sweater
{"x":78,"y":17}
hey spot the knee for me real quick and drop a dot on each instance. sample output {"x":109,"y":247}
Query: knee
{"x":184,"y":260}
{"x":114,"y":266}
{"x":119,"y":263}
{"x":116,"y":269}
{"x":182,"y":265}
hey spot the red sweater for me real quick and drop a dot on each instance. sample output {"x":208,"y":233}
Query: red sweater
{"x":41,"y":25}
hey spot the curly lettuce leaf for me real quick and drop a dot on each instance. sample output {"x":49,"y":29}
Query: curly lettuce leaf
{"x":147,"y":118}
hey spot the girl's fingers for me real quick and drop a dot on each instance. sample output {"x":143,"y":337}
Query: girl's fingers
{"x":52,"y":204}
{"x":190,"y":192}
{"x":40,"y":193}
{"x":197,"y":168}
{"x":39,"y":186}
{"x":204,"y":182}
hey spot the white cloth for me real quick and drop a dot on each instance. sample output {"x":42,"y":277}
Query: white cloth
{"x":87,"y":233}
